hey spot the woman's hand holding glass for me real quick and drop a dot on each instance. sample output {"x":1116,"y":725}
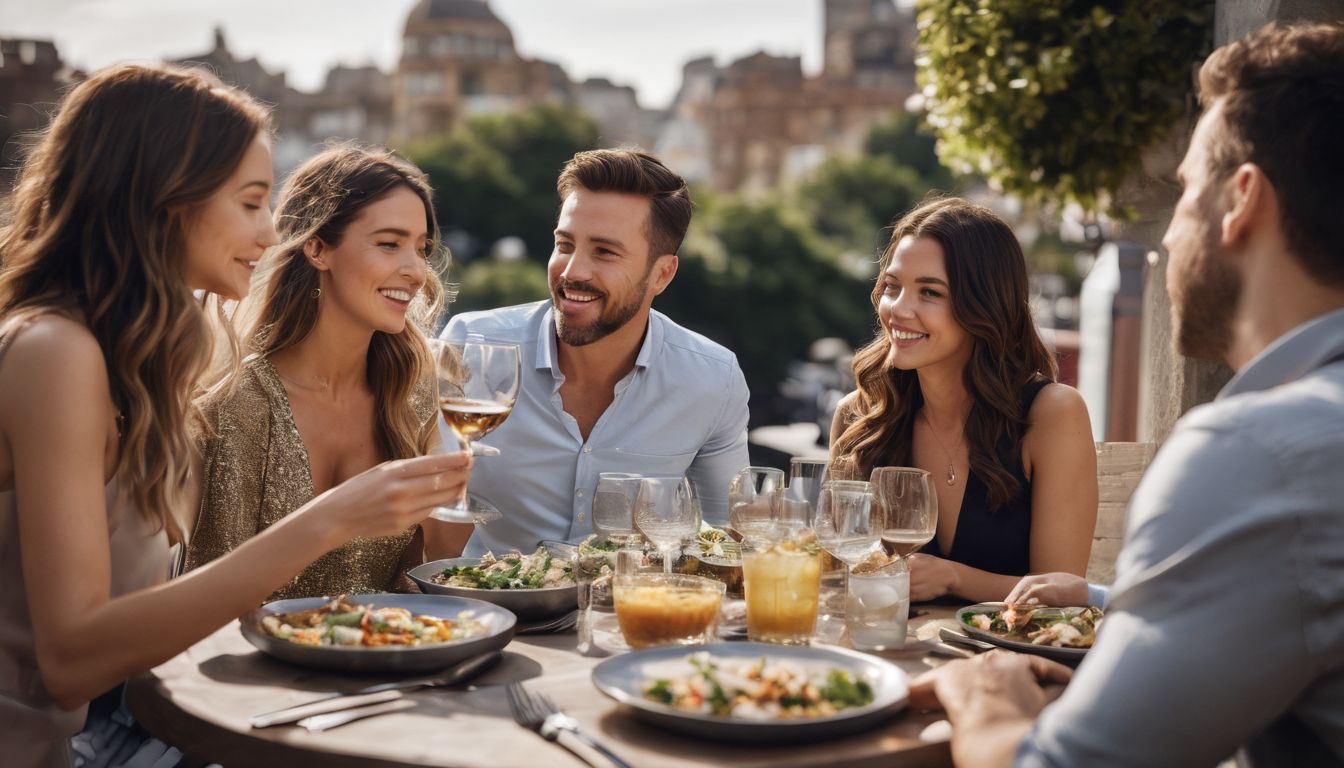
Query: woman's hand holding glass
{"x":391,"y":497}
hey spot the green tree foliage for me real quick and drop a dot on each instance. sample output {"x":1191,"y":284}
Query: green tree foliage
{"x":490,"y":283}
{"x":495,"y":176}
{"x":1055,"y":100}
{"x":755,"y":277}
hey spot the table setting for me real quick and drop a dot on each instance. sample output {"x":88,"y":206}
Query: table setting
{"x":656,"y":641}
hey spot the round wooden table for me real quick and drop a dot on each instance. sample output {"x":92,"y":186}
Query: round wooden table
{"x":200,"y":701}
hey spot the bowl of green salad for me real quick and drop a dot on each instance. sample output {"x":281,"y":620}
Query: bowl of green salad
{"x":536,"y":586}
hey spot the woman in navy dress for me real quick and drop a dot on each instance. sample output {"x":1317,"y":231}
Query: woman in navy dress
{"x":958,"y":382}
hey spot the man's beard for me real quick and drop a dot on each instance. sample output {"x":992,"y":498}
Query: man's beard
{"x":612,"y":318}
{"x":1205,"y":301}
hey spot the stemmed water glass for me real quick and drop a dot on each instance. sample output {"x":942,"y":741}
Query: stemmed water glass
{"x":909,"y":508}
{"x":847,"y":523}
{"x":478,"y":385}
{"x":754,"y":499}
{"x":666,"y":513}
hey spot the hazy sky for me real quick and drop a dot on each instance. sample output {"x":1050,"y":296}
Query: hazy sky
{"x":634,"y":42}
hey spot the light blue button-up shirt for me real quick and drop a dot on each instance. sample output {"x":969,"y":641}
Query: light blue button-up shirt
{"x":682,"y":409}
{"x":1225,"y":627}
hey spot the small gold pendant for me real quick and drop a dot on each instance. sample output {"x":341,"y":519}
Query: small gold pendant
{"x":951,"y":474}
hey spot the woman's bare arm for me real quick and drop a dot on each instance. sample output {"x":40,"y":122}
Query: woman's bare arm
{"x":55,"y":418}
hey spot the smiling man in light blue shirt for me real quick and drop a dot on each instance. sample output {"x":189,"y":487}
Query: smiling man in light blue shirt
{"x":609,"y":385}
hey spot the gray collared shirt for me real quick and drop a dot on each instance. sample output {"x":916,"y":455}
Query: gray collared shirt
{"x":682,"y":409}
{"x":1225,"y":627}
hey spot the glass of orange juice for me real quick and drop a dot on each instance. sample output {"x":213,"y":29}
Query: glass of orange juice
{"x":667,"y":608}
{"x":782,"y":578}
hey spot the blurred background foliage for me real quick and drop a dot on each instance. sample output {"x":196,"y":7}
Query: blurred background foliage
{"x":764,"y":275}
{"x":1055,"y":100}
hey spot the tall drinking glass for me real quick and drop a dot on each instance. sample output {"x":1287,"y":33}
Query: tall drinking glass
{"x":614,"y":504}
{"x":753,"y":499}
{"x":909,"y":508}
{"x":478,"y":385}
{"x":805,"y":476}
{"x":666,"y":513}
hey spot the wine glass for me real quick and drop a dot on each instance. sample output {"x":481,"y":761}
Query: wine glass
{"x":848,"y":525}
{"x":909,"y":508}
{"x":666,"y":513}
{"x":478,"y":385}
{"x":614,"y":503}
{"x":753,"y":499}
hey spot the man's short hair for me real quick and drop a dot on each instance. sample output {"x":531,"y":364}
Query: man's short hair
{"x":1282,"y":95}
{"x":635,"y":172}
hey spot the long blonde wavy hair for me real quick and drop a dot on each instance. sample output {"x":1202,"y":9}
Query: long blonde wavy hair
{"x":98,"y":217}
{"x":987,"y":281}
{"x":320,"y":200}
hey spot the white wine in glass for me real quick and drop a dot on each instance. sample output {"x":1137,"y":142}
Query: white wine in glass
{"x":478,"y":385}
{"x":909,"y":508}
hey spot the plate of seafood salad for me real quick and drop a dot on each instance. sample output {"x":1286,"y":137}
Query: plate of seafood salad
{"x":341,"y":622}
{"x":759,"y":689}
{"x":1064,"y":633}
{"x":754,"y":692}
{"x":534,"y":587}
{"x":386,"y":633}
{"x":514,"y":570}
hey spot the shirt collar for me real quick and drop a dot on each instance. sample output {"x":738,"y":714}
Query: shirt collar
{"x":1291,"y":356}
{"x":548,"y":357}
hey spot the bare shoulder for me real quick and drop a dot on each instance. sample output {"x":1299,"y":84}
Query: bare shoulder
{"x":1057,"y":405}
{"x":54,"y":350}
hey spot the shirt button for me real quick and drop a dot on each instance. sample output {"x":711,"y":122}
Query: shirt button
{"x":579,"y":493}
{"x":587,"y":449}
{"x":582,"y":517}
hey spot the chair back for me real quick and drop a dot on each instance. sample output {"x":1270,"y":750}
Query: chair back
{"x":1119,"y":469}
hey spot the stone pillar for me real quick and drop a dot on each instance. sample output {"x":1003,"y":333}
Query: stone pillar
{"x":1171,"y":384}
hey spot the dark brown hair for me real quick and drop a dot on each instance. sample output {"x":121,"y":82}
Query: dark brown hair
{"x":634,"y":172}
{"x":987,"y":281}
{"x":99,"y":215}
{"x":1282,"y":94}
{"x":320,"y":200}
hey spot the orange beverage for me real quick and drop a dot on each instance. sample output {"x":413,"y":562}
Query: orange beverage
{"x":664,"y":609}
{"x":782,"y":582}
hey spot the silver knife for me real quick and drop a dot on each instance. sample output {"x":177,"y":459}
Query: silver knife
{"x":333,"y":719}
{"x":376,"y":694}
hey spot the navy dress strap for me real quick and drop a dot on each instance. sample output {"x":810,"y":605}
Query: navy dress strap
{"x":997,"y":541}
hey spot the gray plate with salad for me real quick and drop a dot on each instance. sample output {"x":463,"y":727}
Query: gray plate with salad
{"x":534,"y":587}
{"x":755,"y":692}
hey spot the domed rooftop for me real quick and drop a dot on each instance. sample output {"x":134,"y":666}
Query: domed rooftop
{"x":449,"y":10}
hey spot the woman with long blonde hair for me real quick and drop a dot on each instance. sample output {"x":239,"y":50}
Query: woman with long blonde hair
{"x":150,"y":184}
{"x":337,"y":375}
{"x":958,"y":382}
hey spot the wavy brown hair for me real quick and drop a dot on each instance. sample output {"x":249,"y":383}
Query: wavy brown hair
{"x":987,"y":282}
{"x":99,"y":214}
{"x":320,"y":200}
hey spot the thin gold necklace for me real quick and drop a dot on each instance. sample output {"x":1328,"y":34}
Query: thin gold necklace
{"x":951,"y":468}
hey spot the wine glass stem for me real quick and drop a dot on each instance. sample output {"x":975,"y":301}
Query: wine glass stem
{"x":667,"y":560}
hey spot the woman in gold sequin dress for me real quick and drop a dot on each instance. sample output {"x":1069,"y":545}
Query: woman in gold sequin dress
{"x":337,"y":375}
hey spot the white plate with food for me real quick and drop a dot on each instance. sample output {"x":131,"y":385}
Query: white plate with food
{"x":755,"y":692}
{"x":1063,"y":634}
{"x":384,"y":633}
{"x":534,"y":587}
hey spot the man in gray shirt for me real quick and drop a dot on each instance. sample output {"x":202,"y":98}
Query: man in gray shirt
{"x":1225,"y":627}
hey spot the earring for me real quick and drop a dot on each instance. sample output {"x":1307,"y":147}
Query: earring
{"x":316,"y":292}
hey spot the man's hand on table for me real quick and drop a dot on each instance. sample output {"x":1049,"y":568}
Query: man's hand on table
{"x":991,"y":701}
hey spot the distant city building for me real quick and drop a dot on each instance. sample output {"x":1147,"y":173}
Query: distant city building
{"x":458,"y":60}
{"x":766,"y":123}
{"x":31,"y":76}
{"x":756,"y":123}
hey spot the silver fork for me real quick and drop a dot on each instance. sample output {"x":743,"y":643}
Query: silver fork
{"x":538,"y":713}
